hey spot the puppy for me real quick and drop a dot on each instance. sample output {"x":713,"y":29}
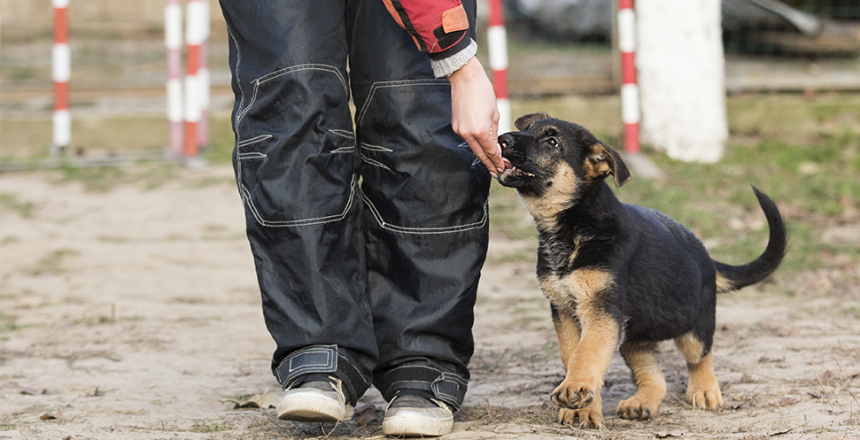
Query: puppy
{"x":617,"y":275}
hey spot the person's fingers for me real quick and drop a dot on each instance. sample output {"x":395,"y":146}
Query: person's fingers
{"x":490,"y":146}
{"x":478,"y":151}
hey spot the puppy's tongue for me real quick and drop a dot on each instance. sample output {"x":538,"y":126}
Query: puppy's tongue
{"x":508,"y":164}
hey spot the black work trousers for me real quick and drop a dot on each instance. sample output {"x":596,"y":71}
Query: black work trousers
{"x":368,"y":239}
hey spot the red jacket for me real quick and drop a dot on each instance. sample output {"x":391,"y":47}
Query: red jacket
{"x":440,"y":28}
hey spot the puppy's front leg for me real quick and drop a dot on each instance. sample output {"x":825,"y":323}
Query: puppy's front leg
{"x":580,"y":390}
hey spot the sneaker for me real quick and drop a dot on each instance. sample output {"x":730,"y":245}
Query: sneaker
{"x":315,"y":398}
{"x":410,"y":415}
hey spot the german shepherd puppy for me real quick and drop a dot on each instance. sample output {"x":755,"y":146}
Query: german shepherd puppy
{"x":617,"y":275}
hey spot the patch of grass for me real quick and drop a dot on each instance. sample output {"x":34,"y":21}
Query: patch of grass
{"x":706,"y":197}
{"x":212,"y":427}
{"x":93,"y":320}
{"x":852,"y":311}
{"x":11,"y":202}
{"x":103,"y":179}
{"x":99,"y":179}
{"x":9,"y":239}
{"x":52,"y":263}
{"x":7,"y":322}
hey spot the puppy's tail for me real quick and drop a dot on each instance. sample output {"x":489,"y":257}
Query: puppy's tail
{"x":735,"y":277}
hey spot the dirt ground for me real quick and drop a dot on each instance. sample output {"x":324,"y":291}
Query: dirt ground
{"x":134,"y":313}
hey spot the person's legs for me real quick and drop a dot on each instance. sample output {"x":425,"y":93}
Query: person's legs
{"x":425,"y":211}
{"x":296,"y":167}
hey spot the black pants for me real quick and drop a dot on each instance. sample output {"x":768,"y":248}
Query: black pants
{"x":368,"y":242}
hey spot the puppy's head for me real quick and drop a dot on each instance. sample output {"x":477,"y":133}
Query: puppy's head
{"x":551,"y":158}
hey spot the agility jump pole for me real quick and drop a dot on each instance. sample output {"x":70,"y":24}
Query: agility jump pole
{"x":61,"y":68}
{"x":173,"y":45}
{"x":497,"y":43}
{"x":195,"y":34}
{"x":203,"y":78}
{"x":629,"y":88}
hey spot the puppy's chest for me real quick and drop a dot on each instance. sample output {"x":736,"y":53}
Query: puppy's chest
{"x":564,"y":280}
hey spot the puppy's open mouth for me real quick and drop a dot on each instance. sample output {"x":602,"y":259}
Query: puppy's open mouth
{"x":512,"y":171}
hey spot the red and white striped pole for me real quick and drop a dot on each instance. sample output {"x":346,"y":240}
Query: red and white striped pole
{"x":629,"y":89}
{"x":61,"y":68}
{"x":203,"y":79}
{"x":173,"y":44}
{"x":195,"y":33}
{"x":497,"y":42}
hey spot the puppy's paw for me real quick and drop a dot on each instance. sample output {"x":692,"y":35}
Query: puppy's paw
{"x":574,"y":395}
{"x":637,"y":408}
{"x":591,"y":417}
{"x":705,"y":397}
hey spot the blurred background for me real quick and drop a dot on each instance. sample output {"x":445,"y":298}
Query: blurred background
{"x":789,"y":83}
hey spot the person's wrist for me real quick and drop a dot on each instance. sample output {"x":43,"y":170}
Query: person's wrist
{"x":467,"y":71}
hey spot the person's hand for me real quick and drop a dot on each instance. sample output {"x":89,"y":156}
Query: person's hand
{"x":474,"y":115}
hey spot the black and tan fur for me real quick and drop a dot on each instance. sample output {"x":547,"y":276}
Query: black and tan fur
{"x":617,"y":275}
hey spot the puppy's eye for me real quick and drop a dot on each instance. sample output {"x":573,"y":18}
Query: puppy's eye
{"x":552,"y":142}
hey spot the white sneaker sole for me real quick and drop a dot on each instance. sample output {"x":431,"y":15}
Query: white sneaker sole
{"x":313,"y":407}
{"x":417,"y":426}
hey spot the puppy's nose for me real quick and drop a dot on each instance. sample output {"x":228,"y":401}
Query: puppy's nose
{"x":506,"y":140}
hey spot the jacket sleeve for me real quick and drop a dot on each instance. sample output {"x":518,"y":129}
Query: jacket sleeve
{"x":444,"y":29}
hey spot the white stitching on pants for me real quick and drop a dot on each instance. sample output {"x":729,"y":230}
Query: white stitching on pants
{"x":246,"y":195}
{"x":374,"y":162}
{"x":390,"y":84}
{"x":344,"y":133}
{"x":370,"y":147}
{"x":254,"y":140}
{"x":278,"y":73}
{"x":423,"y":231}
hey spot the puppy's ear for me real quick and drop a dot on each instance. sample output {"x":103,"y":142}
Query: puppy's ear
{"x":524,"y":121}
{"x":602,"y":161}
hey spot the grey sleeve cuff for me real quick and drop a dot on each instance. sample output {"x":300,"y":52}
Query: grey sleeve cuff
{"x":451,"y":64}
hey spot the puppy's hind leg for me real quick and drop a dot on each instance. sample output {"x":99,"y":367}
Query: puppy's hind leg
{"x":703,"y":391}
{"x":650,"y":384}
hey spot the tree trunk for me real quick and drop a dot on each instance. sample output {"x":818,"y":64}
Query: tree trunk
{"x":681,"y":73}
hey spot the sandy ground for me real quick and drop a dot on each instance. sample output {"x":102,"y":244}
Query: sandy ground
{"x":133,"y":313}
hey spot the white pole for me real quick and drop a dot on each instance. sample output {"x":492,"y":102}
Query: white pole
{"x":195,"y":34}
{"x":203,"y":79}
{"x":497,"y":42}
{"x":681,"y":69}
{"x":61,"y":68}
{"x":173,"y":44}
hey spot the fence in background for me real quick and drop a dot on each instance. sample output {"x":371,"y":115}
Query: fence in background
{"x":554,"y":48}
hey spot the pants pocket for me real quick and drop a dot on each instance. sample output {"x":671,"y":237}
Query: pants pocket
{"x":296,"y":165}
{"x":419,"y":176}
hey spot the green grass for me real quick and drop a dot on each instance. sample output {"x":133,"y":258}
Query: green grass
{"x":11,"y":202}
{"x":52,"y":263}
{"x":706,"y":197}
{"x":212,"y":427}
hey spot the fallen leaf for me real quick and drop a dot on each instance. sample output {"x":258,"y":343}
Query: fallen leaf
{"x":788,"y":401}
{"x":839,"y":375}
{"x":740,"y":405}
{"x":263,"y":401}
{"x":49,"y":416}
{"x":817,"y":395}
{"x":667,"y":434}
{"x":365,"y":414}
{"x":29,"y":391}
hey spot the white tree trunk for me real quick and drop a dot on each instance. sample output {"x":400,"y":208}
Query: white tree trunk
{"x":681,"y":78}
